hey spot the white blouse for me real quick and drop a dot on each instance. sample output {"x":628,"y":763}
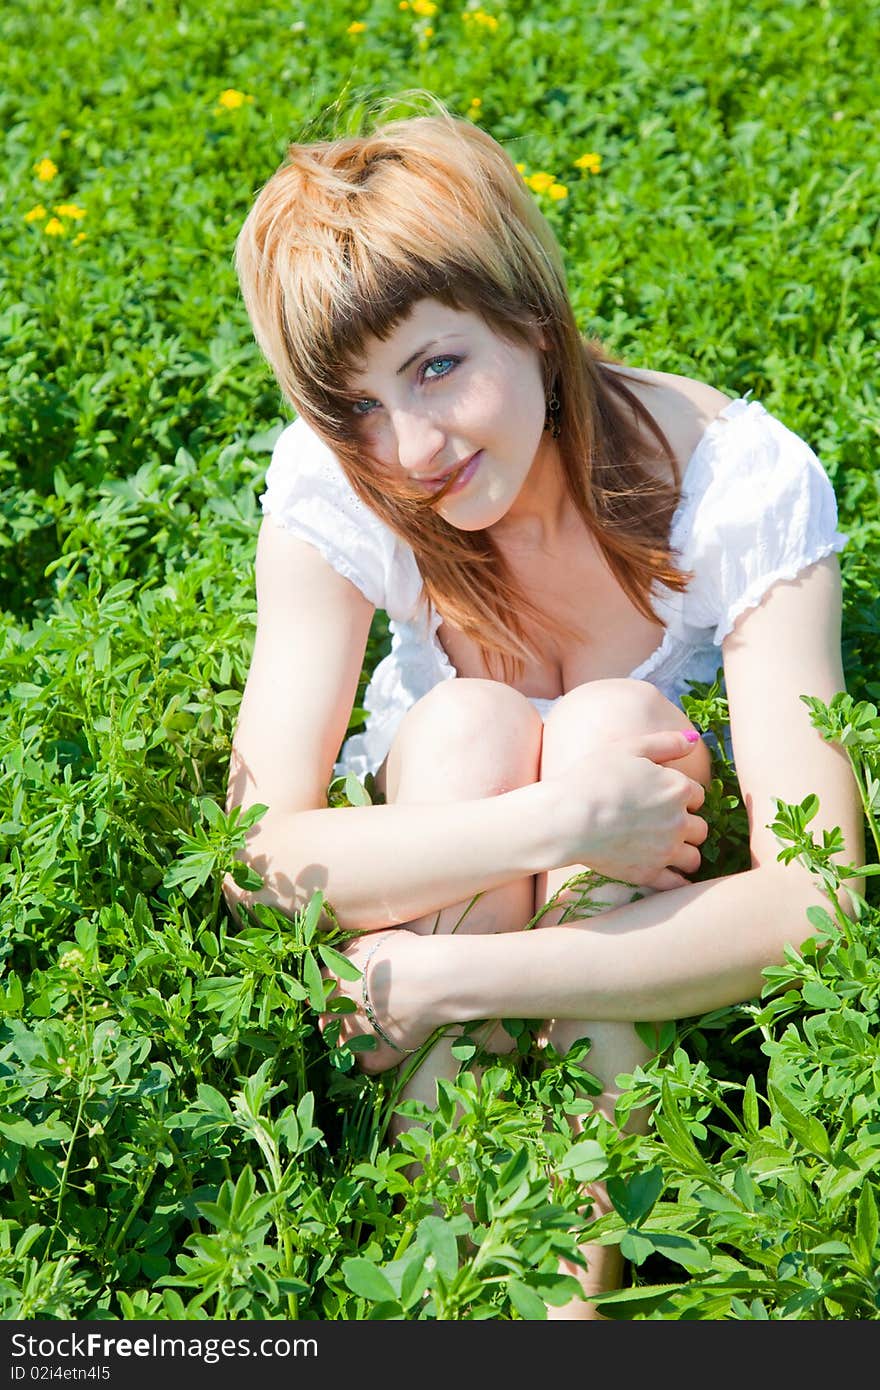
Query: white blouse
{"x":756,"y":506}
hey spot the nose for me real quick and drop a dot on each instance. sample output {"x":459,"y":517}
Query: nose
{"x":420,"y":442}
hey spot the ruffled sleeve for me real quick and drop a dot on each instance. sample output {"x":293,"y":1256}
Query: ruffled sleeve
{"x":758,"y":507}
{"x":308,"y":494}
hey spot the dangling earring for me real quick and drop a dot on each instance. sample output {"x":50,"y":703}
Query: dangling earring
{"x":554,"y":410}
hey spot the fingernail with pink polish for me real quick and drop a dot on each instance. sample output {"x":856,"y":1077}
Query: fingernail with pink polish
{"x":692,"y":736}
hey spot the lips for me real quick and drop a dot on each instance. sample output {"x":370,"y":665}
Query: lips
{"x":461,"y":474}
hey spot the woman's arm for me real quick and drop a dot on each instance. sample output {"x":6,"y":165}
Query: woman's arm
{"x":697,"y":948}
{"x":787,"y":647}
{"x":381,"y":866}
{"x":370,"y":862}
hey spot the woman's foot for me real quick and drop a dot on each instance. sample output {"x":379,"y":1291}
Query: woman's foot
{"x":388,"y":988}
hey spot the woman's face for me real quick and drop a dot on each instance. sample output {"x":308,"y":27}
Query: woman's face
{"x":444,"y":390}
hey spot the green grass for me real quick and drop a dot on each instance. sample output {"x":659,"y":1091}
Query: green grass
{"x":177,"y":1139}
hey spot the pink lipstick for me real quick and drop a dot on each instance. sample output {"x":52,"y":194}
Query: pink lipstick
{"x":461,"y":481}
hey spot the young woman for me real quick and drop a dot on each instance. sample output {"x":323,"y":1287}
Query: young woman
{"x":561,"y":543}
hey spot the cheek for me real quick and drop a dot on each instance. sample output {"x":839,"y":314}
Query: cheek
{"x":376,"y":443}
{"x":509,"y":403}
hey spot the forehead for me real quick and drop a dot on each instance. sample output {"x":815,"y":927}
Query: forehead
{"x":427,"y":321}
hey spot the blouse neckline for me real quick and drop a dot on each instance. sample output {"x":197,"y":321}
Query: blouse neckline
{"x":666,"y":598}
{"x":669,"y":599}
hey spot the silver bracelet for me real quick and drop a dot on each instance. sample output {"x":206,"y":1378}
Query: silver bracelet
{"x":371,"y":1012}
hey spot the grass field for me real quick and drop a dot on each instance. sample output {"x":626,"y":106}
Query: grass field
{"x":176,"y":1139}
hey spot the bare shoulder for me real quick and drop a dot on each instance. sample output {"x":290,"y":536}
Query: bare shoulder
{"x":682,"y":407}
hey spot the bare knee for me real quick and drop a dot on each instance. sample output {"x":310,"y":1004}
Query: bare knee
{"x":465,"y":738}
{"x":615,"y":707}
{"x":601,"y":711}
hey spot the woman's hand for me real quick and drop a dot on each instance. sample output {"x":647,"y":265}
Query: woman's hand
{"x":393,"y":1003}
{"x":627,"y":814}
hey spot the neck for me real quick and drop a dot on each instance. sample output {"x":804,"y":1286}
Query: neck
{"x":542,"y":510}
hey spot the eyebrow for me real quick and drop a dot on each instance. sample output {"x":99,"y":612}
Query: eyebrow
{"x":409,"y":361}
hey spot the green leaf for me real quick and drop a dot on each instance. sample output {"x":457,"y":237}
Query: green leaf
{"x":311,"y":917}
{"x":10,"y":1157}
{"x":634,"y":1199}
{"x":636,"y":1246}
{"x":682,"y":1250}
{"x":313,"y":981}
{"x":244,"y":1191}
{"x":806,"y":1129}
{"x":413,"y":1280}
{"x":213,"y":813}
{"x":639,"y":1299}
{"x":367,"y":1280}
{"x":751,"y":1118}
{"x":820,"y":919}
{"x":435,"y":1237}
{"x":19,"y":1132}
{"x":866,"y":1228}
{"x":810,"y":806}
{"x":526,"y":1301}
{"x":819,"y":996}
{"x":245,"y":876}
{"x":355,"y":791}
{"x":585,"y":1161}
{"x":673,"y":1129}
{"x":213,"y":1101}
{"x":338,"y":963}
{"x":717,"y":1201}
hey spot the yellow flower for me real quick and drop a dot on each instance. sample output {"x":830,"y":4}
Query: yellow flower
{"x":425,"y":7}
{"x":591,"y":162}
{"x":54,"y":227}
{"x":35,"y":213}
{"x":356,"y":27}
{"x":80,"y":236}
{"x":404,"y":5}
{"x":70,"y":210}
{"x":46,"y":169}
{"x":557,"y":191}
{"x":521,"y":168}
{"x":428,"y":33}
{"x":231,"y":99}
{"x":540,"y":182}
{"x":476,"y":101}
{"x":481,"y":19}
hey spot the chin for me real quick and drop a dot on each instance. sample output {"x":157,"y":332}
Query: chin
{"x":478,"y":519}
{"x":492,"y":501}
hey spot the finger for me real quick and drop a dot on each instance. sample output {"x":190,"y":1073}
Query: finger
{"x":668,"y":878}
{"x":688,"y":859}
{"x":696,"y":830}
{"x":665,"y":747}
{"x":696,"y":795}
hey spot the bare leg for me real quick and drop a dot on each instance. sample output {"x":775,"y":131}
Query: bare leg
{"x":587,"y":718}
{"x":466,"y":738}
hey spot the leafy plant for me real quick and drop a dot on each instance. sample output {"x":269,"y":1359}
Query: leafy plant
{"x":178,"y":1140}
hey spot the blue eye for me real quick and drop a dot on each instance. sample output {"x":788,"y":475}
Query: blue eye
{"x":433,"y":370}
{"x":447,"y":363}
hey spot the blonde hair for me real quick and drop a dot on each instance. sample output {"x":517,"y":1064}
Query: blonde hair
{"x":339,"y":245}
